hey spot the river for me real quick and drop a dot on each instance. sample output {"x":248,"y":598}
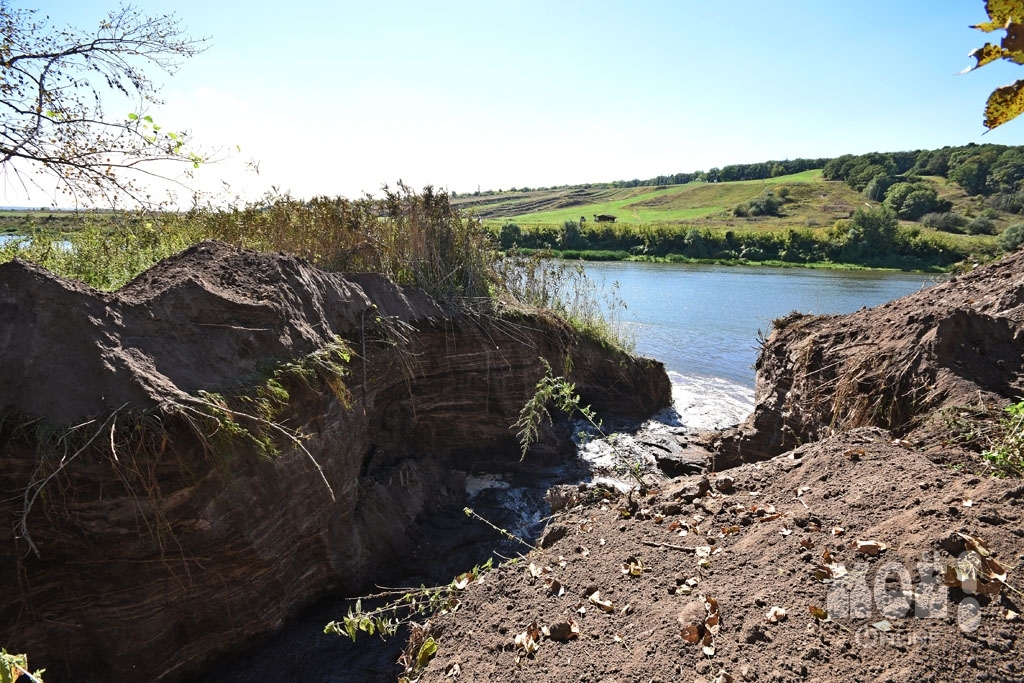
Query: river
{"x":702,"y":321}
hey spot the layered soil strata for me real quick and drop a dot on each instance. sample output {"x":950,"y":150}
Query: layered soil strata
{"x":160,"y":508}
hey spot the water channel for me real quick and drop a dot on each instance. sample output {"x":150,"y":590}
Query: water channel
{"x":703,"y":321}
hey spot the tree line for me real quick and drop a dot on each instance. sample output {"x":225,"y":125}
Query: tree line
{"x":995,"y":172}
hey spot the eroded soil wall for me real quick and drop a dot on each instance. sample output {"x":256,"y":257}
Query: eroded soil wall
{"x":157,"y":543}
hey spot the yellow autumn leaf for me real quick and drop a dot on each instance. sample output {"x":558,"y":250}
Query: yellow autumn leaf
{"x":985,"y":54}
{"x":1000,"y":13}
{"x":818,"y":613}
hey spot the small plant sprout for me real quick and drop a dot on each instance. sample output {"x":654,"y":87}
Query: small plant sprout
{"x":404,"y":605}
{"x":1006,"y":454}
{"x":561,"y":393}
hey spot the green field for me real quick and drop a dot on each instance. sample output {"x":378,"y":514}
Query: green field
{"x":815,"y":202}
{"x":701,"y":221}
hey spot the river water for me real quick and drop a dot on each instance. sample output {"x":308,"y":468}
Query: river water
{"x":702,"y":321}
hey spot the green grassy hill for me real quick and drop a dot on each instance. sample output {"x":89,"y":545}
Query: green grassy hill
{"x":663,"y":221}
{"x":665,"y":204}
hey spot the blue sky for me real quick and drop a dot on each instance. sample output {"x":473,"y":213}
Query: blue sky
{"x":342,"y":97}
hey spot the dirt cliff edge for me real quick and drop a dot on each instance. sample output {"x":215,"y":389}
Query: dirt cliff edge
{"x":142,"y":539}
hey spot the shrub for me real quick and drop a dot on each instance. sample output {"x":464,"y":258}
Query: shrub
{"x":910,"y":201}
{"x":876,"y":189}
{"x":946,"y":222}
{"x":1012,"y":237}
{"x":981,"y":226}
{"x":510,"y":235}
{"x":569,"y":236}
{"x":766,"y":205}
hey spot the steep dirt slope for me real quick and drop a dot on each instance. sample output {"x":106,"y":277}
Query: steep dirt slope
{"x":145,"y":533}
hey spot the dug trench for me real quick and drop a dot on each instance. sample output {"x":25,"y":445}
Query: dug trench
{"x":192,"y":461}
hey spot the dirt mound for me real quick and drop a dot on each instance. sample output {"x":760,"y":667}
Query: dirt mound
{"x":846,"y":536}
{"x":207,"y":318}
{"x":189,"y":461}
{"x":775,"y":534}
{"x":901,"y":366}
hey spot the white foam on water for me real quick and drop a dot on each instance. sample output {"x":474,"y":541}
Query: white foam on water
{"x":708,"y":403}
{"x":475,"y":483}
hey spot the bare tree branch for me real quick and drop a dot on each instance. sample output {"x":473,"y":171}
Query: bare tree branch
{"x":52,"y":89}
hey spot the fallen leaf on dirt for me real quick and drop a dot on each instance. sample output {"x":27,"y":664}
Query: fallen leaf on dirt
{"x":968,"y":503}
{"x":1010,"y":615}
{"x":712,"y":620}
{"x":554,"y":586}
{"x":535,"y":571}
{"x":776,"y":614}
{"x":708,"y":645}
{"x":991,"y":569}
{"x":618,"y":639}
{"x":838,"y":531}
{"x":828,"y":570}
{"x":884,"y":626}
{"x":802,"y":490}
{"x":563,"y":631}
{"x":463,"y":580}
{"x":691,"y":633}
{"x":724,"y":677}
{"x":807,"y":543}
{"x":730,"y":530}
{"x":605,"y":605}
{"x":453,"y":670}
{"x":529,"y":640}
{"x":819,"y":614}
{"x":633,"y":566}
{"x":855,"y":454}
{"x":972,"y":573}
{"x":785,"y":531}
{"x":871,"y":547}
